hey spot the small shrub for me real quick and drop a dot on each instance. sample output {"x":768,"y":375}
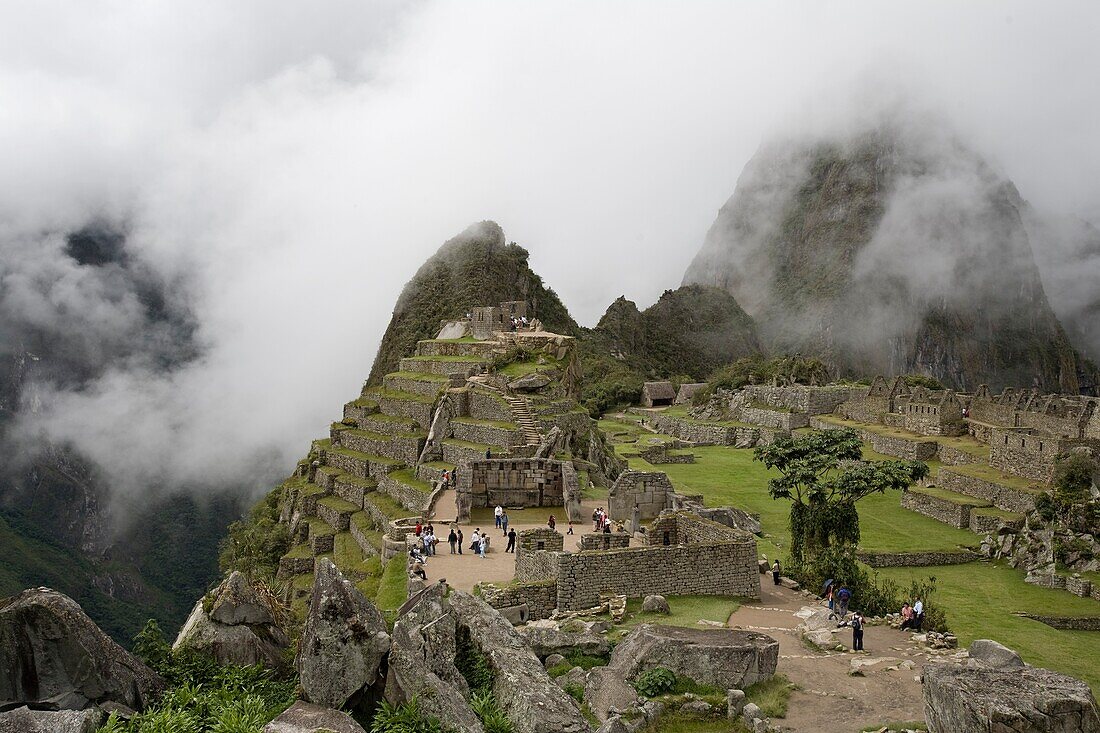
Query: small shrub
{"x":771,"y":695}
{"x":575,"y":691}
{"x":488,"y":710}
{"x":655,"y":681}
{"x":405,"y":718}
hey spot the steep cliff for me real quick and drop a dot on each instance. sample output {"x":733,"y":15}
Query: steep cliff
{"x":476,"y":268}
{"x":894,"y":250}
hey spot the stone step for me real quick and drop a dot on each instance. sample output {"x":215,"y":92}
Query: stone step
{"x":489,"y":432}
{"x":458,"y":366}
{"x":325,"y":477}
{"x":986,"y":520}
{"x":336,"y":512}
{"x":405,"y":404}
{"x":380,"y":422}
{"x":1010,"y":493}
{"x":403,"y":447}
{"x":459,"y":347}
{"x":427,"y":385}
{"x":948,"y":507}
{"x":383,"y":509}
{"x":352,"y":488}
{"x":307,"y":497}
{"x":406,"y":489}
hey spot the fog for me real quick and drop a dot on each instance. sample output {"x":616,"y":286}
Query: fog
{"x":283,"y":169}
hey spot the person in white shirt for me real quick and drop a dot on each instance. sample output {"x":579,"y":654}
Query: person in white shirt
{"x":918,"y":614}
{"x":497,"y":512}
{"x":475,"y":540}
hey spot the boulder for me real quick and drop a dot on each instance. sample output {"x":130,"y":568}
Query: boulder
{"x":528,"y":696}
{"x":304,"y":717}
{"x":988,"y":653}
{"x":52,"y":656}
{"x":344,"y":642}
{"x":516,"y":615}
{"x":723,"y":658}
{"x":731,"y":517}
{"x":235,"y":625}
{"x":614,"y":724}
{"x":545,"y":640}
{"x":818,"y":627}
{"x":751,"y":712}
{"x":697,"y":707}
{"x":605,"y":690}
{"x":735,"y":702}
{"x":576,"y":676}
{"x":532,"y":382}
{"x":25,"y":720}
{"x":553,"y":660}
{"x":961,"y":699}
{"x":421,"y":661}
{"x":656,"y":604}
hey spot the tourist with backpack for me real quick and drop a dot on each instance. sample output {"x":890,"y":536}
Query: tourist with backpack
{"x":843,"y":597}
{"x":452,"y":540}
{"x":857,"y":631}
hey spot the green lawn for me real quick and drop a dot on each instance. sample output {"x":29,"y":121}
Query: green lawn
{"x":981,"y":599}
{"x":686,"y":611}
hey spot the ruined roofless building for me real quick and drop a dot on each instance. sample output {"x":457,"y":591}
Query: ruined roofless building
{"x":658,"y":394}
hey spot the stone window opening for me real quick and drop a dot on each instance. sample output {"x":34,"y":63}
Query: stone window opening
{"x":540,"y":545}
{"x":666,"y":540}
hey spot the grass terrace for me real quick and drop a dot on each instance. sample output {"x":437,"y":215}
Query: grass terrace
{"x":393,"y":394}
{"x":992,"y":475}
{"x":386,"y":504}
{"x":408,"y":477}
{"x":951,"y":496}
{"x":502,"y":424}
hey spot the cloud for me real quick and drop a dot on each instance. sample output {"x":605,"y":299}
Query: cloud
{"x":283,"y":170}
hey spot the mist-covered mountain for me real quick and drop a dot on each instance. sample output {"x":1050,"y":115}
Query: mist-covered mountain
{"x":476,"y":268}
{"x":71,"y":307}
{"x":892,"y":250}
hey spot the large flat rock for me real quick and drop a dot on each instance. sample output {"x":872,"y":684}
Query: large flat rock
{"x":305,"y":717}
{"x":1006,"y":700}
{"x":25,"y":720}
{"x":724,"y":658}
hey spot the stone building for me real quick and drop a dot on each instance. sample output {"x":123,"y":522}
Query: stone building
{"x":518,"y":482}
{"x":658,"y":394}
{"x":485,"y":321}
{"x":881,"y":397}
{"x":1027,"y":452}
{"x":937,"y":412}
{"x":650,"y":492}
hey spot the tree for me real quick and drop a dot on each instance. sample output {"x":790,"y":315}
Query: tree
{"x":823,"y":475}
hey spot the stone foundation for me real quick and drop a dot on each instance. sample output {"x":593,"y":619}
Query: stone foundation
{"x":541,"y":597}
{"x":517,"y":482}
{"x":650,"y":491}
{"x":942,"y":510}
{"x":916,"y":559}
{"x":604,"y":540}
{"x":999,"y":495}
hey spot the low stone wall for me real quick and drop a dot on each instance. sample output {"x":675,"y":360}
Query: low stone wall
{"x":386,"y":425}
{"x":407,"y":496}
{"x":419,"y":411}
{"x":365,"y":543}
{"x":334,"y":518}
{"x":982,"y":523}
{"x":485,"y":405}
{"x":535,"y":565}
{"x":950,"y":456}
{"x":1000,"y":496}
{"x":723,"y":569}
{"x":350,"y":491}
{"x":650,"y":491}
{"x":916,"y":559}
{"x":397,"y":447}
{"x":459,"y":454}
{"x":604,"y":540}
{"x":777,"y":419}
{"x":806,"y":399}
{"x":479,"y":349}
{"x":1081,"y":587}
{"x":1067,"y":623}
{"x":425,"y":387}
{"x":955,"y":515}
{"x":444,"y":368}
{"x":982,"y":432}
{"x":348,"y":464}
{"x":686,"y":528}
{"x":904,"y":448}
{"x":705,"y":434}
{"x":291,"y":566}
{"x":894,"y":420}
{"x":473,"y":432}
{"x":658,"y":455}
{"x":541,"y":596}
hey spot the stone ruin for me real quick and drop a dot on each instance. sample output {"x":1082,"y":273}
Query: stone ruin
{"x":639,"y":496}
{"x":519,"y":483}
{"x":658,"y":394}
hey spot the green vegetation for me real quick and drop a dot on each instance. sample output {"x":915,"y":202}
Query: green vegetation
{"x":405,"y":718}
{"x":392,"y":589}
{"x":686,"y":611}
{"x":771,"y":695}
{"x":576,"y":659}
{"x":654,"y":682}
{"x":758,"y":369}
{"x":203,"y":696}
{"x":386,"y":504}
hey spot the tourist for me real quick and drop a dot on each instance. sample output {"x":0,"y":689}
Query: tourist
{"x":431,"y":530}
{"x":429,"y":542}
{"x":488,"y":453}
{"x":829,"y":597}
{"x":607,"y":527}
{"x":511,"y":541}
{"x":551,"y":522}
{"x":906,"y":616}
{"x":459,"y":543}
{"x":857,"y":631}
{"x":419,"y":528}
{"x":843,"y":597}
{"x":496,"y":514}
{"x":475,"y":539}
{"x":483,"y":546}
{"x":418,"y":569}
{"x":596,"y":520}
{"x":918,"y":614}
{"x":570,"y":528}
{"x":775,"y":572}
{"x":452,"y":539}
{"x":504,"y":522}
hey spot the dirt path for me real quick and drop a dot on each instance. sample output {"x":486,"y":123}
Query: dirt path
{"x":829,"y":700}
{"x":466,"y":570}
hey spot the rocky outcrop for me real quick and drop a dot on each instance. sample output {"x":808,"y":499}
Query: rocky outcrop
{"x":988,"y":653}
{"x":548,"y":637}
{"x":25,"y":720}
{"x":1022,"y":700}
{"x":529,"y":697}
{"x":656,"y":604}
{"x":304,"y":717}
{"x":421,"y":661}
{"x":723,"y":658}
{"x":727,"y":515}
{"x":344,"y":642}
{"x":240,"y":626}
{"x":53,"y":656}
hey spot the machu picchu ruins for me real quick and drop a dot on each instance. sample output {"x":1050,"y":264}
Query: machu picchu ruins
{"x":543,"y":368}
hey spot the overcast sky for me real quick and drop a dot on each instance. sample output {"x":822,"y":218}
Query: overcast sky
{"x":295,"y":163}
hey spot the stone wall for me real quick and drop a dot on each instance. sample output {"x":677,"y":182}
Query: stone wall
{"x":950,"y":456}
{"x":407,"y":496}
{"x":1024,"y":453}
{"x":513,"y":482}
{"x":776,"y":419}
{"x":916,"y":559}
{"x":1079,"y":586}
{"x":1003,"y":497}
{"x":686,"y":528}
{"x":1067,"y":623}
{"x":805,"y":399}
{"x":989,"y":523}
{"x":723,"y":569}
{"x":535,"y":565}
{"x":955,"y":515}
{"x":486,"y":405}
{"x":419,"y":411}
{"x":650,"y":491}
{"x":658,"y":455}
{"x":868,"y":409}
{"x":710,"y":434}
{"x":398,"y":447}
{"x":930,"y":419}
{"x":489,"y":434}
{"x":604,"y":540}
{"x":909,"y":449}
{"x":540,"y":596}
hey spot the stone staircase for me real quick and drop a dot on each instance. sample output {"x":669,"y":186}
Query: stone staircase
{"x":521,"y":413}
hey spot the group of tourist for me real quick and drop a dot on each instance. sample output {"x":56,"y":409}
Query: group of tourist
{"x":520,"y":322}
{"x":601,"y":520}
{"x":912,"y":616}
{"x":839,"y":599}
